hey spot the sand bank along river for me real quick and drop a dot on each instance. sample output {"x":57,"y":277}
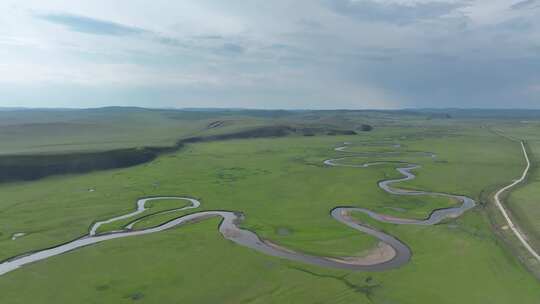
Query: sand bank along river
{"x":388,"y":254}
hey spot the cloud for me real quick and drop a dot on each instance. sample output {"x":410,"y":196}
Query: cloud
{"x":310,"y":24}
{"x":210,"y":43}
{"x":89,"y":25}
{"x":321,"y":53}
{"x":392,"y":12}
{"x":519,"y":24}
{"x":526,"y":4}
{"x":232,"y":49}
{"x":169,"y":41}
{"x":208,"y":37}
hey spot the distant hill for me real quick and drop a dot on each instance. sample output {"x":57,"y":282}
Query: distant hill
{"x":483,"y":113}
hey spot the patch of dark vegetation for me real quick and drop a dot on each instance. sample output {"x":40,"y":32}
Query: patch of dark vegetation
{"x":365,"y":128}
{"x":215,"y":124}
{"x":32,"y":167}
{"x":472,"y":231}
{"x":341,"y":132}
{"x":102,"y":287}
{"x":312,"y":131}
{"x":231,"y":175}
{"x":259,"y":132}
{"x":196,"y":114}
{"x":367,"y":290}
{"x":268,"y":131}
{"x":136,"y":296}
{"x":438,"y":116}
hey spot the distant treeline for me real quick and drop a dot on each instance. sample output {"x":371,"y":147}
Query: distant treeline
{"x":32,"y":167}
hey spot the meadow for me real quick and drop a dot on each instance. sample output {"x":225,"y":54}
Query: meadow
{"x":523,"y":201}
{"x":285,"y":193}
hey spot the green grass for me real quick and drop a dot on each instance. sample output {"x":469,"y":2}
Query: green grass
{"x":279,"y":184}
{"x":459,"y":254}
{"x":158,"y":219}
{"x":36,"y":131}
{"x":58,"y":131}
{"x":193,"y":264}
{"x":523,"y":201}
{"x":152,"y":207}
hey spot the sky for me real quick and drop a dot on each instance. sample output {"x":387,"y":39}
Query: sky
{"x":286,"y":54}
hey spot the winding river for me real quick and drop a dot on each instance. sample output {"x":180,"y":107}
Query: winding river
{"x":390,"y":253}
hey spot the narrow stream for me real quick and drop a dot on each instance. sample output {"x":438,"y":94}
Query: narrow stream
{"x":397,"y":253}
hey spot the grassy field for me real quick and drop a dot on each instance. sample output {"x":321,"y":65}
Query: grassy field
{"x":54,"y":131}
{"x":286,"y":194}
{"x":523,"y":201}
{"x":152,"y":208}
{"x":102,"y":129}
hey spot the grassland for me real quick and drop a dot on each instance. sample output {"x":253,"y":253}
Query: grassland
{"x":152,"y":209}
{"x":523,"y":201}
{"x":53,"y":131}
{"x":285,"y":193}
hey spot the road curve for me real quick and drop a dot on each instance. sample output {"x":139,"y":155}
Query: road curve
{"x":400,"y":253}
{"x":521,"y":237}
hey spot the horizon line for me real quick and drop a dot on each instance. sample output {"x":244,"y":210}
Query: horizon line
{"x":14,"y":108}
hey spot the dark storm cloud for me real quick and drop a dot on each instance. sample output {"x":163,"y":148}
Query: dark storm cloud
{"x":431,"y":80}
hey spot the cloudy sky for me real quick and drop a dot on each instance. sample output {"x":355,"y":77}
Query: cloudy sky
{"x":270,"y":53}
